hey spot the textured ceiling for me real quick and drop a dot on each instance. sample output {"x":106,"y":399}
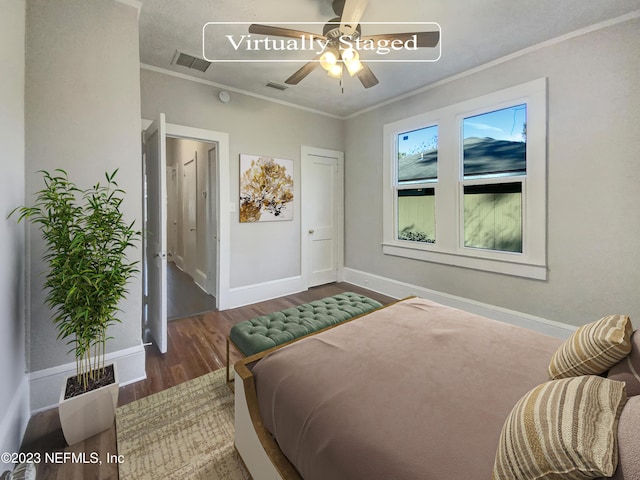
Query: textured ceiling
{"x":474,"y":32}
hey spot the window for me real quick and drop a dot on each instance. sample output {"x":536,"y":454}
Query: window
{"x":416,"y":215}
{"x":494,"y":154}
{"x":465,"y":184}
{"x":493,"y":216}
{"x":417,"y":170}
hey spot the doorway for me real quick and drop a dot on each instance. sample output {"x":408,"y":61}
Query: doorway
{"x":190,"y":280}
{"x":155,"y":248}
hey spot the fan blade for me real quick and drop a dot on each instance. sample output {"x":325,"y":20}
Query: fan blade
{"x":351,"y":15}
{"x":306,"y":69}
{"x":367,"y":78}
{"x":423,"y":39}
{"x":282,"y":32}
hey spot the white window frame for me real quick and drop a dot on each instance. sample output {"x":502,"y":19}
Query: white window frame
{"x":449,"y":246}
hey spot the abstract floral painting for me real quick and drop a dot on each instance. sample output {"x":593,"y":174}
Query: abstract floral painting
{"x":266,"y":189}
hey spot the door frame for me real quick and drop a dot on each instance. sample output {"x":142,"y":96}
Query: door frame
{"x":338,"y":211}
{"x":212,"y":214}
{"x":223,"y":253}
{"x":223,"y":202}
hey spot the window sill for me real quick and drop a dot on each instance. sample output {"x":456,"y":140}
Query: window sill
{"x":503,"y":266}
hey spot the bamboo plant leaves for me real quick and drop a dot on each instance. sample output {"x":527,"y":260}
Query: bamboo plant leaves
{"x":87,"y":239}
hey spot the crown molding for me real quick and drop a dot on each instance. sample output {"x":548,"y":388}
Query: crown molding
{"x":183,"y":76}
{"x":506,"y":58}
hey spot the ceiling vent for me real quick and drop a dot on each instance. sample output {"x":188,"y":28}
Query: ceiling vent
{"x":277,"y":86}
{"x":190,"y":61}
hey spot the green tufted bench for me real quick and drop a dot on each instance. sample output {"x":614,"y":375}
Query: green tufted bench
{"x":268,"y":331}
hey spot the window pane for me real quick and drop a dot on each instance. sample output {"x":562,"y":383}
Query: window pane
{"x":418,"y":155}
{"x":416,"y":215}
{"x":495,"y":143}
{"x":493,"y":217}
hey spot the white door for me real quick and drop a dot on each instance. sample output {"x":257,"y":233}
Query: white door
{"x":156,"y":231}
{"x":172,"y":214}
{"x":189,"y":217}
{"x":322,"y":215}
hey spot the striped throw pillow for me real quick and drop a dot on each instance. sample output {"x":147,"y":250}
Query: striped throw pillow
{"x":593,"y":348}
{"x":627,"y":370}
{"x":564,"y":429}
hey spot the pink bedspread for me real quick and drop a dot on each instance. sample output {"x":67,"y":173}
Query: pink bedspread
{"x":413,"y":391}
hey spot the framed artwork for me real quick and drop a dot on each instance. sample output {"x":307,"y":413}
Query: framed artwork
{"x":266,"y":189}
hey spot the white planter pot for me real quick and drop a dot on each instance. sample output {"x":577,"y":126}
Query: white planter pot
{"x":88,"y":414}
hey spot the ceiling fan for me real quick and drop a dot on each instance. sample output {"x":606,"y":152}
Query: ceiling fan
{"x":343,"y":35}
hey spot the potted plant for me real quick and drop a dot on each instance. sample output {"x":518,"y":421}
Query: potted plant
{"x":86,"y":241}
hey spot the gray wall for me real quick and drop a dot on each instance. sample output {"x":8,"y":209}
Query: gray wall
{"x":14,"y":390}
{"x":82,"y":115}
{"x":260,"y":252}
{"x":593,"y":182}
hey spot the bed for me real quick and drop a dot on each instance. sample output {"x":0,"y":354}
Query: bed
{"x":415,"y":390}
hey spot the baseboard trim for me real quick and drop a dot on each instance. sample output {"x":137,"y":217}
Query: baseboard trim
{"x":45,"y":384}
{"x":397,"y":289}
{"x":179,"y":261}
{"x":259,"y":292}
{"x":201,"y":280}
{"x":14,"y":423}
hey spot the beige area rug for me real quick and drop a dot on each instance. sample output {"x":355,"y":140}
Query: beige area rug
{"x":184,"y":432}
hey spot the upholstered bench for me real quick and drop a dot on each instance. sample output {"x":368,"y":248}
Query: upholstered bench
{"x":268,"y":331}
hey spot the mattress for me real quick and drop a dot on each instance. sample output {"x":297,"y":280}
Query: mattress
{"x":416,"y":390}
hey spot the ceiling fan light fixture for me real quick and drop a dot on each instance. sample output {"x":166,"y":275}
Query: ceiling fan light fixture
{"x":351,"y":59}
{"x":329,"y":58}
{"x":349,"y":54}
{"x":353,"y":67}
{"x":335,"y":71}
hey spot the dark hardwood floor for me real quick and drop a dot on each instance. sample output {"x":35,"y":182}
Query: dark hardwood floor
{"x":196,"y":346}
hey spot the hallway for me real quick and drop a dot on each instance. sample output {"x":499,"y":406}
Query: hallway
{"x":184,"y":297}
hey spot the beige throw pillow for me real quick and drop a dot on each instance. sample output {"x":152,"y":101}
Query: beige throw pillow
{"x":627,"y":370}
{"x":562,"y":430}
{"x":593,"y":348}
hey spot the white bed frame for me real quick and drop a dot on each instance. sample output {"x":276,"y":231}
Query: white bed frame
{"x":247,"y":441}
